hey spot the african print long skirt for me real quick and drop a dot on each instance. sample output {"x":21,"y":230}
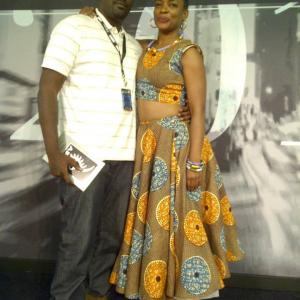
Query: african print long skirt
{"x":176,"y":243}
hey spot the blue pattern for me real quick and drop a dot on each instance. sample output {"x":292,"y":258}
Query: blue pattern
{"x":195,"y":275}
{"x":122,"y":276}
{"x":148,"y":240}
{"x":159,"y":174}
{"x":195,"y":195}
{"x":145,"y":90}
{"x":180,"y":128}
{"x":223,"y":239}
{"x":135,"y":187}
{"x":218,"y":177}
{"x":175,"y":62}
{"x":136,"y":247}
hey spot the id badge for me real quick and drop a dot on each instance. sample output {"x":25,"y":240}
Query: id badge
{"x":126,"y":98}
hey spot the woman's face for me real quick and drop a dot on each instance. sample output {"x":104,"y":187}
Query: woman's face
{"x":169,"y":14}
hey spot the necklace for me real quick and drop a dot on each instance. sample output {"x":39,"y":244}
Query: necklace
{"x":154,"y":50}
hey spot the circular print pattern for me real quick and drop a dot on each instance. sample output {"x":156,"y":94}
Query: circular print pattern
{"x":231,"y":257}
{"x":173,"y":251}
{"x":210,"y":207}
{"x":155,"y":278}
{"x":173,"y":159}
{"x":113,"y":278}
{"x":152,"y":58}
{"x":223,"y":239}
{"x":135,"y":187}
{"x":180,"y":128}
{"x":159,"y":174}
{"x":228,"y":217}
{"x":163,"y":213}
{"x":136,"y":247}
{"x":148,"y":145}
{"x":218,"y":177}
{"x":170,"y":94}
{"x":145,"y":90}
{"x":148,"y":240}
{"x":178,"y":175}
{"x":195,"y":275}
{"x":122,"y":275}
{"x":194,"y":229}
{"x":221,"y":266}
{"x":129,"y":228}
{"x":207,"y":152}
{"x":195,"y":195}
{"x":142,"y":207}
{"x":175,"y":62}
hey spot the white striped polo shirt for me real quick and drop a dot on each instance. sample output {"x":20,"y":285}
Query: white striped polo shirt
{"x":90,"y":103}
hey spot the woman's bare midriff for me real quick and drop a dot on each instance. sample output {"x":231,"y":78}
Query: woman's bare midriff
{"x":152,"y":110}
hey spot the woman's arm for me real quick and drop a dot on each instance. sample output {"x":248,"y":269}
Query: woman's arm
{"x":195,"y":83}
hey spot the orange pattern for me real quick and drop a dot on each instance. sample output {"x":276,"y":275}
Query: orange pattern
{"x":152,"y":58}
{"x":228,"y":217}
{"x":210,"y":207}
{"x":171,"y":94}
{"x":207,"y":152}
{"x":194,"y":229}
{"x":113,"y":278}
{"x":220,"y":266}
{"x":163,"y":213}
{"x":129,"y":228}
{"x":231,"y":257}
{"x":148,"y":145}
{"x":173,"y":159}
{"x":155,"y":278}
{"x":142,"y":207}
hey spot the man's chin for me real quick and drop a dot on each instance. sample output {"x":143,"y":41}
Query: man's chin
{"x":120,"y":15}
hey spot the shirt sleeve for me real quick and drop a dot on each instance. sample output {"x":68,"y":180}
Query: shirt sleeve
{"x":63,"y":47}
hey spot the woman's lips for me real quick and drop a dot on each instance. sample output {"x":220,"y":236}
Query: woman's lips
{"x":163,"y":20}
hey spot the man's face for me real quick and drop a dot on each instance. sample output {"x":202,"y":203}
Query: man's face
{"x":116,"y":10}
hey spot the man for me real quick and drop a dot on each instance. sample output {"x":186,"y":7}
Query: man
{"x":89,"y":67}
{"x":82,"y":69}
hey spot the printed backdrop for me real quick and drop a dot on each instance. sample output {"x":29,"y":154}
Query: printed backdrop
{"x":252,"y":58}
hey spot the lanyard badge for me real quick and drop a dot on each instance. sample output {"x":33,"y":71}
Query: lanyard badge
{"x":125,"y":92}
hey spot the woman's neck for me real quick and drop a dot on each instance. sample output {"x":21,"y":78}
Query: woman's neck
{"x":165,"y":39}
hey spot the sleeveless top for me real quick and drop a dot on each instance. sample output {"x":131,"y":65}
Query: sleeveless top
{"x":160,"y":74}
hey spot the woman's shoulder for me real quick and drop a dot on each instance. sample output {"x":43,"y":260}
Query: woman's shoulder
{"x":187,"y":44}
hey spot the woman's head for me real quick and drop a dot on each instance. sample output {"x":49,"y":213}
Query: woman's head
{"x":169,"y":15}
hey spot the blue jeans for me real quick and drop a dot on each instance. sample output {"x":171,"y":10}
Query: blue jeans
{"x":93,"y":223}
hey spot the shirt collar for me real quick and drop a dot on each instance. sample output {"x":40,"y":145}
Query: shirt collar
{"x":107,"y":24}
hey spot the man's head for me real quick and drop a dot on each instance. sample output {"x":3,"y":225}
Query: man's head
{"x":115,"y":10}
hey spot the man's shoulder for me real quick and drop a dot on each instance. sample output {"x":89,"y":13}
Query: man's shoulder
{"x":77,"y":21}
{"x":133,"y":41}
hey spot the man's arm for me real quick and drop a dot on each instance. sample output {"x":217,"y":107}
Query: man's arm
{"x":51,"y":83}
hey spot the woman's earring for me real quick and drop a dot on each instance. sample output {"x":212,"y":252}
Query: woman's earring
{"x":182,"y":28}
{"x":152,"y":23}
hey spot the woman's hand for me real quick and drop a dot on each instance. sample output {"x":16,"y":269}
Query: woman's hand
{"x":193,"y":180}
{"x":88,"y":11}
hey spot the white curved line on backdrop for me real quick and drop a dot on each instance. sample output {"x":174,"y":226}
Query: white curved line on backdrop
{"x":233,"y":68}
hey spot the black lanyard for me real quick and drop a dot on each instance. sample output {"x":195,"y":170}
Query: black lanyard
{"x":115,"y":44}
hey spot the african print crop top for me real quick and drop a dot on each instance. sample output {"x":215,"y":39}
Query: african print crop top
{"x":160,"y":75}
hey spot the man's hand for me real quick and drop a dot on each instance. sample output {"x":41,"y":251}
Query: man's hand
{"x":61,"y":165}
{"x":184,"y":114}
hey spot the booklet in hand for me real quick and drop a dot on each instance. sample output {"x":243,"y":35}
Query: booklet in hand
{"x":89,"y":168}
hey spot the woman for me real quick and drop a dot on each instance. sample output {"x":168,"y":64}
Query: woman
{"x":180,"y":231}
